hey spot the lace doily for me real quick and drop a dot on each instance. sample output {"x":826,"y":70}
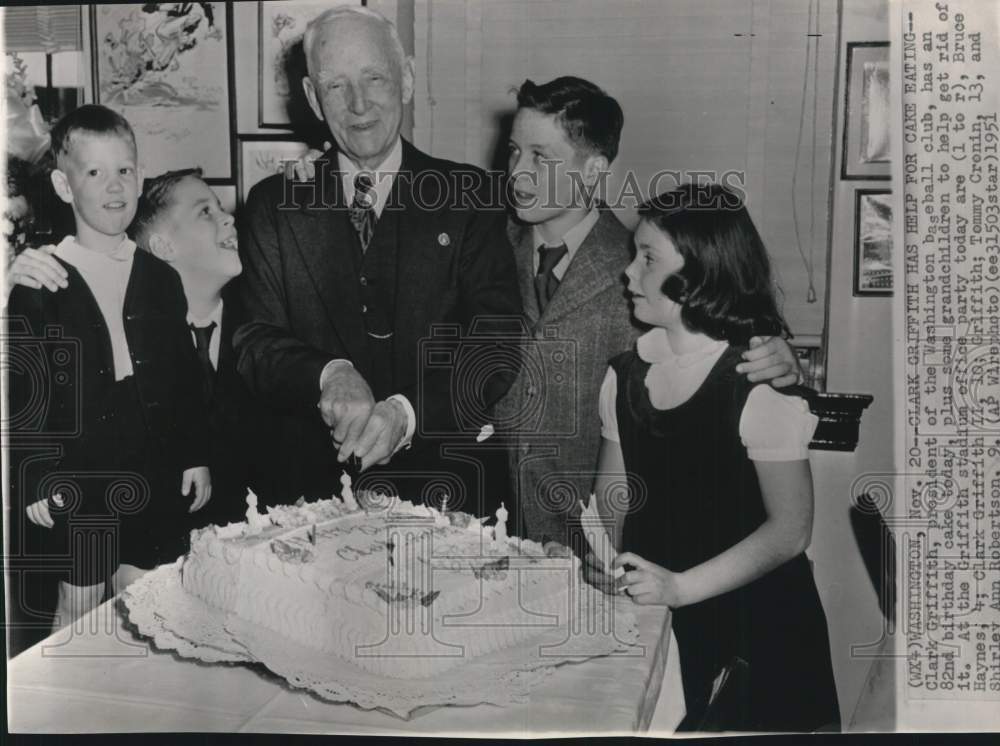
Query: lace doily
{"x":160,"y":609}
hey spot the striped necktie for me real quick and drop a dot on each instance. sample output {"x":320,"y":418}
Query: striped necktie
{"x":363,"y":209}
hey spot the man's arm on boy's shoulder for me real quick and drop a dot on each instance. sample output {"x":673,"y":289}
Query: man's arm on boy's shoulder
{"x":35,"y":268}
{"x":770,"y":359}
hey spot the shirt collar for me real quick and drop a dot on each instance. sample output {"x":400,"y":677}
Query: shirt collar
{"x":574,"y":237}
{"x":77,"y":254}
{"x":383,"y":175}
{"x":215,"y":315}
{"x":654,"y":347}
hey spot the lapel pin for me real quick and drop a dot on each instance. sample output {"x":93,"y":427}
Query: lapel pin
{"x":443,"y":239}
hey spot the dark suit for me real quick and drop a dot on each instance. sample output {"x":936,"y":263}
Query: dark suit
{"x":444,"y":263}
{"x":553,"y":459}
{"x":237,"y":431}
{"x":152,"y":423}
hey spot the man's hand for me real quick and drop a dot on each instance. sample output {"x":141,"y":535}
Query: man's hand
{"x":305,"y":166}
{"x":38,"y":513}
{"x":378,"y":441}
{"x":770,"y":359}
{"x":199,"y":478}
{"x":345,"y":403}
{"x":36,"y":268}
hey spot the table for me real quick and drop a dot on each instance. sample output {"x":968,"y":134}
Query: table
{"x":96,"y":677}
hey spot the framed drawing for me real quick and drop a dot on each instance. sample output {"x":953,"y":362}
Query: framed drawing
{"x":867,"y":116}
{"x":167,"y":68}
{"x":264,"y":155}
{"x":282,"y":62}
{"x":873,"y":242}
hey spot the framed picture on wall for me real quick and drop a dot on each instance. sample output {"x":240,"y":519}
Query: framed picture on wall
{"x":282,"y":60}
{"x":167,"y":68}
{"x":264,"y":155}
{"x":872,"y":242}
{"x":867,"y":116}
{"x":809,"y":352}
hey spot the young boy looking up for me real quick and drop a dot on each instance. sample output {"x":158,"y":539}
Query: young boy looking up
{"x":569,"y":252}
{"x":181,"y":221}
{"x":132,"y":396}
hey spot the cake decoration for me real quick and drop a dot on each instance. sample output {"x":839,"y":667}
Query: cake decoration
{"x":428,"y":598}
{"x":296,"y":554}
{"x":346,"y":493}
{"x":329,"y":577}
{"x":500,"y":530}
{"x":492,"y":570}
{"x":255,"y":521}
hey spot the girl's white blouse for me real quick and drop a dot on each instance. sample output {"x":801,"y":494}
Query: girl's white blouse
{"x":773,"y":426}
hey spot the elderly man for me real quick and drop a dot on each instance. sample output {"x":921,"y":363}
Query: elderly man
{"x":347,"y":273}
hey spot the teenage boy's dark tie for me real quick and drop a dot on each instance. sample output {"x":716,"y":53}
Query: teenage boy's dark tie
{"x":202,"y":340}
{"x":363,"y":209}
{"x":546,"y":281}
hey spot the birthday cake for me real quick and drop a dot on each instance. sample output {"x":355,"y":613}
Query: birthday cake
{"x":397,"y":589}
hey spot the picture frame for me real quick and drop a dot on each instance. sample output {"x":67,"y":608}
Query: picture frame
{"x":264,"y":155}
{"x":811,"y":356}
{"x":169,"y":72}
{"x":281,"y":23}
{"x":867,"y":112}
{"x":873,"y":275}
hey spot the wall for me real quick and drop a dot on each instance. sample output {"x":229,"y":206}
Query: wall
{"x":859,"y":343}
{"x":706,"y":85}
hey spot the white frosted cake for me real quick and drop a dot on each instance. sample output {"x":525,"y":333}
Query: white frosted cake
{"x":396,"y":589}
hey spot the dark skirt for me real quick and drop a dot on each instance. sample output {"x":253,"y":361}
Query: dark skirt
{"x":776,"y":626}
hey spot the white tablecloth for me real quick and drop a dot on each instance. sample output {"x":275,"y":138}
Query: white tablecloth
{"x":95,"y":676}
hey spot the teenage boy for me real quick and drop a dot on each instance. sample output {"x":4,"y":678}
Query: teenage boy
{"x":571,"y":253}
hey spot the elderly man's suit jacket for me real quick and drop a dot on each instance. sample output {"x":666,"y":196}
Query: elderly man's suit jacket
{"x":451,"y":263}
{"x":552,"y":407}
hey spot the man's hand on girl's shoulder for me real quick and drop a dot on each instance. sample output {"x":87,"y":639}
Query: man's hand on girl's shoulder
{"x":770,"y":359}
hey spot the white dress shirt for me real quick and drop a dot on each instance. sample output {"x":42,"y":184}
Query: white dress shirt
{"x":383,"y":177}
{"x":773,"y":426}
{"x":107,"y":277}
{"x":573,"y":239}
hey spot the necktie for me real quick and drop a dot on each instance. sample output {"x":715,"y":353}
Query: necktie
{"x":363,"y":209}
{"x":546,"y":281}
{"x":202,"y":340}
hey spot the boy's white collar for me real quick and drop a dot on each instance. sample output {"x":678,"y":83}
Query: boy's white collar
{"x":70,"y":248}
{"x":215,"y":315}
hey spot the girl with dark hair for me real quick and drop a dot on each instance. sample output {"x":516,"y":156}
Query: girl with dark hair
{"x":721,"y":507}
